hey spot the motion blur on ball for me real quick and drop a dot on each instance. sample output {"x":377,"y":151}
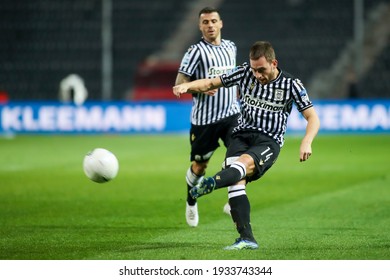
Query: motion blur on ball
{"x":100,"y":165}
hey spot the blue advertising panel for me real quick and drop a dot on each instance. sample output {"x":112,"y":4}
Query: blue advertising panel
{"x":99,"y":117}
{"x":346,"y":116}
{"x":361,"y":116}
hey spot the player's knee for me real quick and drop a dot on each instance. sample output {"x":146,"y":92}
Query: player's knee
{"x":249,"y":164}
{"x":199,"y":168}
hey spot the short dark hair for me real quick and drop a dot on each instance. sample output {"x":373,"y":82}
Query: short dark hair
{"x":262,"y":48}
{"x":208,"y":10}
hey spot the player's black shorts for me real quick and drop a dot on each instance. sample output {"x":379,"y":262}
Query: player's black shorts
{"x":204,"y":138}
{"x":263,"y":149}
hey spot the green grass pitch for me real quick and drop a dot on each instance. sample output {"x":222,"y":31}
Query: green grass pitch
{"x":333,"y":207}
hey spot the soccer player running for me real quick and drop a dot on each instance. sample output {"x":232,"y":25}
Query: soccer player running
{"x":267,"y":95}
{"x":212,"y":117}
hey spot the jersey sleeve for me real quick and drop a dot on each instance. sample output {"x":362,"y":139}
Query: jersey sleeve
{"x":300,"y":96}
{"x":234,"y":76}
{"x":190,"y":61}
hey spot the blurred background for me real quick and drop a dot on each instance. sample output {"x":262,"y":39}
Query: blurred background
{"x":130,"y":50}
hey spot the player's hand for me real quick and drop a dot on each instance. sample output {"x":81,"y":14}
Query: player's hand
{"x":211,"y":92}
{"x":180,"y":89}
{"x":305,"y":151}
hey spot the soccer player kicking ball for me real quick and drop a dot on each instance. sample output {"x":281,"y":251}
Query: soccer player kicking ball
{"x":267,"y":95}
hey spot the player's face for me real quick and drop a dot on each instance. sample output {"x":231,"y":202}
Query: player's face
{"x":210,"y":25}
{"x":263,"y":70}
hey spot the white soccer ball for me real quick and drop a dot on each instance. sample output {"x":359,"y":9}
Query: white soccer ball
{"x":100,"y":165}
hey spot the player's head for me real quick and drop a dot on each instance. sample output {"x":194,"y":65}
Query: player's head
{"x":210,"y":24}
{"x":263,"y":62}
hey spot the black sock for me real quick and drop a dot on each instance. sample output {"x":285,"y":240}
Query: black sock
{"x":227,"y":177}
{"x":240,"y":210}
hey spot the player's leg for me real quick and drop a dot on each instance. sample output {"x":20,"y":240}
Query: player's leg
{"x":225,"y":134}
{"x":224,"y":178}
{"x":234,"y":177}
{"x":203,"y":144}
{"x":238,"y":166}
{"x":240,"y":213}
{"x":260,"y":154}
{"x":194,"y":175}
{"x":264,"y":153}
{"x":249,"y":154}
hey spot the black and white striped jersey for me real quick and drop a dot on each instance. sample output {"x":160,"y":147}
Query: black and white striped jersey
{"x":266,"y":108}
{"x":204,"y":60}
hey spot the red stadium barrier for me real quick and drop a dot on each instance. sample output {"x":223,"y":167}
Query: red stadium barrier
{"x":3,"y":97}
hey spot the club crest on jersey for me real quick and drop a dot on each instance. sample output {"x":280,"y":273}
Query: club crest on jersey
{"x":279,"y":94}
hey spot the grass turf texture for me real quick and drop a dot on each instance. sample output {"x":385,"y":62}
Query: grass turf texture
{"x":335,"y":206}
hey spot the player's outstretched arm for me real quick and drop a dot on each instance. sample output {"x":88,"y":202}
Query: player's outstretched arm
{"x":203,"y":85}
{"x":312,"y":127}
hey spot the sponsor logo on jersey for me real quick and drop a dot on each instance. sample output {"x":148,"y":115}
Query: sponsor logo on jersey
{"x":263,"y":104}
{"x":216,"y":71}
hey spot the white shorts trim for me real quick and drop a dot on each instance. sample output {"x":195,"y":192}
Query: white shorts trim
{"x":228,"y":161}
